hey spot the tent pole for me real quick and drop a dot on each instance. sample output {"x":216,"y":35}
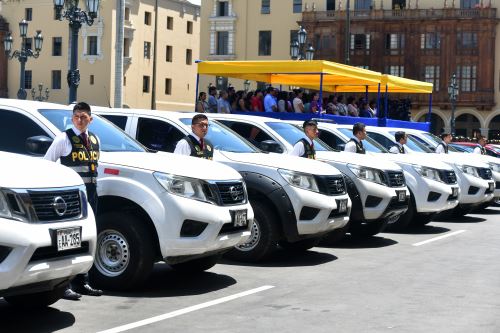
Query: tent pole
{"x":386,"y":107}
{"x":366,"y":93}
{"x":430,"y":109}
{"x":196,"y":97}
{"x":320,"y":101}
{"x":378,"y":101}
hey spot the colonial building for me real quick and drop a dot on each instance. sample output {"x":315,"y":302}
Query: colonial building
{"x":160,"y":45}
{"x":419,"y":39}
{"x":4,"y":27}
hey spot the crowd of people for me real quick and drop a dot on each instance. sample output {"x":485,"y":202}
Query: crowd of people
{"x":274,"y":100}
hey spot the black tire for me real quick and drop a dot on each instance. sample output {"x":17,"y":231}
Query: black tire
{"x":197,"y":265}
{"x":301,"y":245}
{"x":125,"y":252}
{"x":37,"y":300}
{"x":483,"y":206}
{"x":460,"y":211}
{"x":336,"y":235}
{"x":406,"y":219}
{"x":370,"y":229}
{"x":264,"y":238}
{"x":423,"y":219}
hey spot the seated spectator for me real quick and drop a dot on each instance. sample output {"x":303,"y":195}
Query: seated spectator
{"x":364,"y":111}
{"x":223,"y":105}
{"x":282,"y":102}
{"x":298,"y":105}
{"x":372,"y":107}
{"x":257,"y":101}
{"x":352,"y":109}
{"x":315,"y":106}
{"x":341,"y":107}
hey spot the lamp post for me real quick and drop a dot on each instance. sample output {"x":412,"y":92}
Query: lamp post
{"x":297,"y":51}
{"x":453,"y":94}
{"x":24,"y":53}
{"x":40,"y":97}
{"x":246,"y":85}
{"x":76,"y":17}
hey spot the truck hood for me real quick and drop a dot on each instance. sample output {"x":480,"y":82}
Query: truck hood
{"x":24,"y":172}
{"x":422,"y":159}
{"x":281,"y":161}
{"x":463,"y":159}
{"x":369,"y":161}
{"x":180,"y":165}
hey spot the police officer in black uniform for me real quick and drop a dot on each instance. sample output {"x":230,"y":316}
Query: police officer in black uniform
{"x":401,"y":139}
{"x":442,"y":148}
{"x":195,"y":143}
{"x":305,"y":146}
{"x":480,"y":149}
{"x":78,"y":149}
{"x":355,"y":145}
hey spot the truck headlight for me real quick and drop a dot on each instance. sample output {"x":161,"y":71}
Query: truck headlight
{"x":426,"y":172}
{"x":372,"y":175}
{"x":183,"y":186}
{"x":494,"y":167}
{"x":470,"y":170}
{"x":298,"y":179}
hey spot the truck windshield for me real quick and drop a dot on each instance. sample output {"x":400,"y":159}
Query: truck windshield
{"x":292,"y":134}
{"x":225,"y":139}
{"x":111,"y":138}
{"x":369,"y":144}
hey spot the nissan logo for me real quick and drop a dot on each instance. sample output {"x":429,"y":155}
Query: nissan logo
{"x":60,"y":206}
{"x":235,"y":194}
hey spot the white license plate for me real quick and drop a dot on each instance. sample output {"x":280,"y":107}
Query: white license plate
{"x":492,"y":186}
{"x":239,"y":218}
{"x":69,"y":238}
{"x":342,"y":205}
{"x":401,"y":196}
{"x":454,"y":191}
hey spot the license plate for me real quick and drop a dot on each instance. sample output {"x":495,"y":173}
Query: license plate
{"x":69,"y":238}
{"x":401,"y":196}
{"x":454,"y":191}
{"x":342,"y":205}
{"x":492,"y":186}
{"x":239,"y":218}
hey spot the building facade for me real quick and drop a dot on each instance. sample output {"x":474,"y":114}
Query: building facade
{"x":160,"y":45}
{"x":419,"y":39}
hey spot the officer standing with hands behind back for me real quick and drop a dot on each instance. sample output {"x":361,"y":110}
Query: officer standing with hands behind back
{"x":401,"y":140}
{"x":305,"y":146}
{"x":195,"y":143}
{"x":78,"y":149}
{"x":355,"y":145}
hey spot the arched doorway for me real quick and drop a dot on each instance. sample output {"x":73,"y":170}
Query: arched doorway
{"x":467,"y":125}
{"x":494,"y":132}
{"x":437,"y":123}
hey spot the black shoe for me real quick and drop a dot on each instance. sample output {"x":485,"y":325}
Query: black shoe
{"x":86,"y":289}
{"x":71,"y":295}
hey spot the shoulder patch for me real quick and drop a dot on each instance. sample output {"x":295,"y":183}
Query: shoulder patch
{"x":93,"y":139}
{"x":75,"y":139}
{"x":209,"y":148}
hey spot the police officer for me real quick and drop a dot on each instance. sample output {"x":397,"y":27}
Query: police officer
{"x":305,"y":146}
{"x":78,"y":149}
{"x":355,"y":145}
{"x":482,"y":142}
{"x":401,"y":140}
{"x":195,"y":143}
{"x":442,"y":148}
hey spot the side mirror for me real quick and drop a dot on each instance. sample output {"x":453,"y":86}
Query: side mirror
{"x":271,"y":146}
{"x":340,"y":146}
{"x":38,"y":145}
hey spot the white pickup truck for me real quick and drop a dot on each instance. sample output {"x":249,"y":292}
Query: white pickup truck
{"x":47,"y":229}
{"x":152,"y":207}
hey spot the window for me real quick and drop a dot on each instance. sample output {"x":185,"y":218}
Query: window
{"x":265,"y":7}
{"x":332,"y":140}
{"x":15,"y":128}
{"x":56,"y":79}
{"x":91,"y":80}
{"x":168,"y":54}
{"x":294,"y":35}
{"x":126,"y":47}
{"x":190,"y":27}
{"x":189,"y":57}
{"x":466,"y":4}
{"x":145,"y":84}
{"x":430,"y":40}
{"x":168,"y":86}
{"x":56,"y":46}
{"x":92,"y":45}
{"x":28,"y":76}
{"x":127,"y":14}
{"x":362,"y":4}
{"x":387,"y":143}
{"x":297,"y":6}
{"x":264,"y":43}
{"x":394,"y":43}
{"x":431,"y":75}
{"x":360,"y":42}
{"x":467,"y":78}
{"x":28,"y":14}
{"x":170,"y":23}
{"x":398,"y":4}
{"x":221,"y":82}
{"x":120,"y":121}
{"x":147,"y":18}
{"x":28,"y":43}
{"x":158,"y":135}
{"x":250,"y":132}
{"x":330,"y":4}
{"x":467,"y":40}
{"x":222,"y":42}
{"x":147,"y":50}
{"x":223,"y":8}
{"x":124,"y":80}
{"x":396,"y":70}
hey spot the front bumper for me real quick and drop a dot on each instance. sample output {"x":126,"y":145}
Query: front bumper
{"x":33,"y":256}
{"x":215,"y":237}
{"x":432,"y":196}
{"x":474,"y":190}
{"x":378,"y":200}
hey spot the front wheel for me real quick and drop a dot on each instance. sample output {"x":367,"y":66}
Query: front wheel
{"x":197,"y":265}
{"x":125,"y":252}
{"x":37,"y":300}
{"x":406,"y":219}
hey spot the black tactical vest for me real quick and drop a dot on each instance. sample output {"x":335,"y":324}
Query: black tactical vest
{"x":401,"y":149}
{"x":445,"y":147}
{"x":359,"y":147}
{"x":82,"y":160}
{"x":207,"y":152}
{"x":483,"y":150}
{"x":309,"y":151}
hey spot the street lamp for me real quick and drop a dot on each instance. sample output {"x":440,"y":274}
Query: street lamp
{"x":24,"y":53}
{"x":297,"y":47}
{"x":40,"y":98}
{"x":76,"y":18}
{"x":453,"y":94}
{"x":246,"y":85}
